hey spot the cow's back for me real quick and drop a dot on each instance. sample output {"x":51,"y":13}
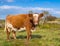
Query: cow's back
{"x":17,"y":21}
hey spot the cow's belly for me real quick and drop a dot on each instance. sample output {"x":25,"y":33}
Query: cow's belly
{"x":10,"y":26}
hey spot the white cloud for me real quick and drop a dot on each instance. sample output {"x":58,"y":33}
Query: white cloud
{"x":18,"y":8}
{"x":3,"y":1}
{"x":24,"y":8}
{"x":39,"y":8}
{"x":57,"y":12}
{"x":9,"y":0}
{"x":9,"y":7}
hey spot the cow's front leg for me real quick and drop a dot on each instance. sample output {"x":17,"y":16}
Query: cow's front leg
{"x":14,"y":34}
{"x":28,"y":30}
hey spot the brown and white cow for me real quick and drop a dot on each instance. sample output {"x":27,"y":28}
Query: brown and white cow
{"x":21,"y":21}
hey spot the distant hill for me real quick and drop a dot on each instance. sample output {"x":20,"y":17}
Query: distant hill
{"x":2,"y":23}
{"x":58,"y":19}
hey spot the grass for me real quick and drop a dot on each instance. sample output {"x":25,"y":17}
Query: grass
{"x":46,"y":35}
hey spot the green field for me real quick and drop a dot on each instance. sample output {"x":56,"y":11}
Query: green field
{"x":45,"y":35}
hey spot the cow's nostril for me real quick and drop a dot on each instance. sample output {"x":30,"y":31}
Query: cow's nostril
{"x":36,"y":23}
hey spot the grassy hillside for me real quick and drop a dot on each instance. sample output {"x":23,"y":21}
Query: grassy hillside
{"x":45,"y":35}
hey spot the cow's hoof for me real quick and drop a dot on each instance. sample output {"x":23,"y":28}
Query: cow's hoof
{"x":15,"y":38}
{"x":8,"y":39}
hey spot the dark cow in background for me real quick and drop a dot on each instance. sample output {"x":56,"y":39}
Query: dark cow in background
{"x":21,"y":21}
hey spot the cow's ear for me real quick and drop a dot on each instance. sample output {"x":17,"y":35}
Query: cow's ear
{"x":41,"y":15}
{"x":30,"y":15}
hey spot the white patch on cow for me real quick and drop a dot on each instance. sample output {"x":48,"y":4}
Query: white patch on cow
{"x":22,"y":29}
{"x":11,"y":26}
{"x":35,"y":16}
{"x":33,"y":30}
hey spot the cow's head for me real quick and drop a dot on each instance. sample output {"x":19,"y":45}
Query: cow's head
{"x":36,"y":18}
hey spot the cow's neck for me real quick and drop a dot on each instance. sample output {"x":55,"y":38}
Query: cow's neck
{"x":33,"y":25}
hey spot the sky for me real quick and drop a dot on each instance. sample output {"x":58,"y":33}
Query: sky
{"x":23,"y":6}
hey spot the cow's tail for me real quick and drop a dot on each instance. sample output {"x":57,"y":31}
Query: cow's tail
{"x":5,"y":27}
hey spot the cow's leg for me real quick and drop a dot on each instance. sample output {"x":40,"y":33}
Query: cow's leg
{"x":28,"y":33}
{"x":14,"y":34}
{"x":8,"y":33}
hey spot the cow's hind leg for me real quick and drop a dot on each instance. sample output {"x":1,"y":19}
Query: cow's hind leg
{"x":8,"y":33}
{"x":14,"y":34}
